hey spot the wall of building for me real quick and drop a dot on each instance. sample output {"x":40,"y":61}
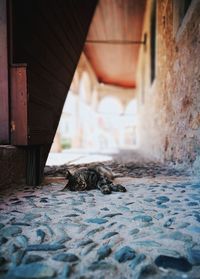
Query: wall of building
{"x":169,"y":107}
{"x":12,"y":166}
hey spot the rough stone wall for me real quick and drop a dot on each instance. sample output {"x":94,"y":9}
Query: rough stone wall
{"x":12,"y":166}
{"x":169,"y":110}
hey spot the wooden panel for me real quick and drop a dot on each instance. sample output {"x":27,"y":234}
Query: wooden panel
{"x":122,"y":21}
{"x":4,"y":110}
{"x":49,"y":36}
{"x":19,"y":102}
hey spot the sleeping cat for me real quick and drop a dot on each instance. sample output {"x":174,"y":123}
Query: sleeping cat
{"x":96,"y":177}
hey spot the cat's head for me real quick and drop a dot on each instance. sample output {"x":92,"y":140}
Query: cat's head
{"x":75,"y":182}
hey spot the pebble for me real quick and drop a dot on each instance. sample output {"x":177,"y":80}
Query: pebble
{"x":137,"y":260}
{"x":41,"y":235}
{"x":44,"y":247}
{"x":143,"y":218}
{"x":168,"y":222}
{"x":180,"y":264}
{"x":162,"y":199}
{"x":134,"y":231}
{"x":32,"y":258}
{"x":66,"y":271}
{"x":86,"y":250}
{"x":32,"y":271}
{"x":96,"y":220}
{"x":109,"y":234}
{"x":103,"y":252}
{"x":159,"y":216}
{"x":31,"y":216}
{"x":66,"y":257}
{"x":101,"y":265}
{"x":83,"y":243}
{"x":126,"y":253}
{"x":147,"y":243}
{"x":94,"y":231}
{"x":11,"y":231}
{"x":193,"y":256}
{"x":111,"y":215}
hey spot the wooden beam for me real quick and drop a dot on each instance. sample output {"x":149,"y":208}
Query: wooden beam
{"x":115,"y":42}
{"x":4,"y":89}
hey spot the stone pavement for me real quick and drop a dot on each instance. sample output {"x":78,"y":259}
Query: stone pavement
{"x":151,"y":231}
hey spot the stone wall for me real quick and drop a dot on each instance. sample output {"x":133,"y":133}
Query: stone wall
{"x":169,"y":110}
{"x":12,"y":166}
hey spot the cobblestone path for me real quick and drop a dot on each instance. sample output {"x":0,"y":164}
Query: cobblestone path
{"x":151,"y":231}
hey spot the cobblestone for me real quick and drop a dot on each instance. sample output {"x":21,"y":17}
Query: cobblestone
{"x":155,"y":225}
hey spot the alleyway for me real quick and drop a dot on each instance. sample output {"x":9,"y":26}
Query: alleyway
{"x":151,"y":231}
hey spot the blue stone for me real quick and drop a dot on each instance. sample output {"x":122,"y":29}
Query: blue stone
{"x":180,"y":236}
{"x":66,"y":271}
{"x":94,"y":231}
{"x":194,"y":256}
{"x":41,"y":234}
{"x":84,"y":242}
{"x":66,"y":257}
{"x":163,"y":199}
{"x":134,"y":231}
{"x":126,"y":253}
{"x":96,"y":220}
{"x":109,"y":234}
{"x":159,"y":216}
{"x":137,"y":260}
{"x":180,"y":264}
{"x":101,"y":265}
{"x":197,"y":216}
{"x":111,"y":215}
{"x":149,"y":200}
{"x":44,"y":247}
{"x":11,"y":231}
{"x":143,"y":218}
{"x":32,"y":270}
{"x":88,"y":249}
{"x":31,"y":216}
{"x":192,"y":203}
{"x":147,"y":243}
{"x":103,"y":252}
{"x":162,"y":205}
{"x":32,"y":259}
{"x":194,"y":229}
{"x":168,"y":222}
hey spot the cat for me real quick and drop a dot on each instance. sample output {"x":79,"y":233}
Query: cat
{"x":96,"y":177}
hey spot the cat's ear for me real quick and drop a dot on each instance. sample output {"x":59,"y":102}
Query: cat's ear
{"x":68,"y":174}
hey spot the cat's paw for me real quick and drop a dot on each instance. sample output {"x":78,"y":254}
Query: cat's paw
{"x":118,"y":188}
{"x":106,"y":190}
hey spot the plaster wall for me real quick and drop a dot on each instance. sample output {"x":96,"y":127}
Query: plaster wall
{"x":169,"y":107}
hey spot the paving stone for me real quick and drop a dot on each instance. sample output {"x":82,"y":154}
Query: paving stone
{"x":162,"y":199}
{"x":193,"y":256}
{"x":126,"y":253}
{"x":86,"y":250}
{"x":94,"y":231}
{"x":84,"y":242}
{"x":66,"y":271}
{"x":137,"y":260}
{"x":134,"y":231}
{"x":31,"y":216}
{"x":32,"y":271}
{"x":11,"y":231}
{"x":109,"y":234}
{"x":180,"y":264}
{"x":147,"y":243}
{"x":103,"y":252}
{"x":32,"y":258}
{"x":96,"y":220}
{"x":143,"y":218}
{"x":101,"y":265}
{"x":40,"y":234}
{"x":111,"y":215}
{"x":44,"y":247}
{"x":159,"y":216}
{"x":66,"y":257}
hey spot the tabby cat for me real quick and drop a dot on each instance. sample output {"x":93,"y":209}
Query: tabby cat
{"x":96,"y":177}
